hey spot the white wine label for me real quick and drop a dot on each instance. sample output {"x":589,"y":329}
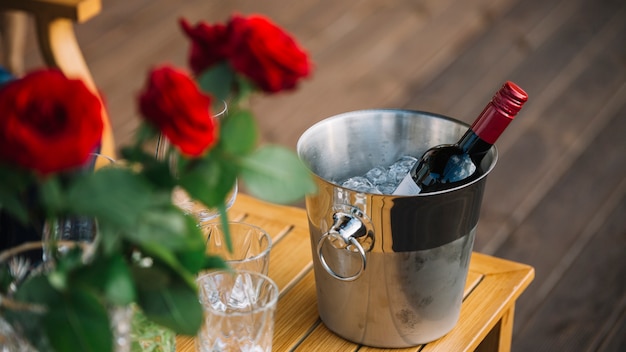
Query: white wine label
{"x":407,"y":187}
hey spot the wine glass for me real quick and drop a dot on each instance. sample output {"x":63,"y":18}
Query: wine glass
{"x":179,"y":196}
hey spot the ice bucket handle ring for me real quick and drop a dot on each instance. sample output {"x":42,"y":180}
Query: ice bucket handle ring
{"x":346,"y":230}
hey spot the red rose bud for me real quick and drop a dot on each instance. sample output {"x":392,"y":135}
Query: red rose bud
{"x":49,"y":123}
{"x":266,"y":54}
{"x":173,"y":103}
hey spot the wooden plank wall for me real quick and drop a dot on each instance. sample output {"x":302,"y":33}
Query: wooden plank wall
{"x":556,"y":199}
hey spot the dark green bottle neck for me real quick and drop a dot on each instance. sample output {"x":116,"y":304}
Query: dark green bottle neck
{"x":473,"y":145}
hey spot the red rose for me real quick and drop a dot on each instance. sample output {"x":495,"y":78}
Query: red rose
{"x":254,"y":46}
{"x":172,"y":102}
{"x":209,"y":44}
{"x":48,"y":122}
{"x":266,"y":54}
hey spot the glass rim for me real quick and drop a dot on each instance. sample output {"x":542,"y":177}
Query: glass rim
{"x":218,"y":111}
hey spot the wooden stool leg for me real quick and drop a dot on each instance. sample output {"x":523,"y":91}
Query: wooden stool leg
{"x":60,"y":49}
{"x":506,"y":330}
{"x":500,"y":337}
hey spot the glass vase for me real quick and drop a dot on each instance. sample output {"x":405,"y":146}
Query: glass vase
{"x":132,"y":331}
{"x":16,"y":265}
{"x":11,"y":341}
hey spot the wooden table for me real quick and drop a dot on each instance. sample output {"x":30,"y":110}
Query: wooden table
{"x":486,"y":322}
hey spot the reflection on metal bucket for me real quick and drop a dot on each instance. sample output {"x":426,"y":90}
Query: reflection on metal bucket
{"x":389,"y":270}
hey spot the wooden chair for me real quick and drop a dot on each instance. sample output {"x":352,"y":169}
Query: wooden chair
{"x":54,"y":21}
{"x":13,"y":33}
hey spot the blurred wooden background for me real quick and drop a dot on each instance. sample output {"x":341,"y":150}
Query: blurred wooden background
{"x":556,"y":199}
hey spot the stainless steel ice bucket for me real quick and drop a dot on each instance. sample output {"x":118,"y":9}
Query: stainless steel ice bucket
{"x":389,"y":270}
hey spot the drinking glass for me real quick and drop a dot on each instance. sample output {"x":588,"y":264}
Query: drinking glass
{"x":179,"y":197}
{"x":202,"y":214}
{"x":250,"y":245}
{"x":65,"y":232}
{"x":239,"y":311}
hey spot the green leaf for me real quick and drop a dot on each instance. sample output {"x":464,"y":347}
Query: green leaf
{"x":275,"y":174}
{"x":16,"y":189}
{"x":150,"y":278}
{"x":159,"y":174}
{"x":114,"y":195}
{"x":37,"y":289}
{"x":214,"y":262}
{"x":51,"y":194}
{"x":225,"y":227}
{"x":174,"y":306}
{"x":5,"y":277}
{"x":13,"y":191}
{"x":164,"y":263}
{"x":238,"y":133}
{"x":64,"y":265}
{"x":110,"y":275}
{"x":210,"y":180}
{"x":165,"y":226}
{"x":109,"y":238}
{"x":30,"y":325}
{"x":14,"y":205}
{"x":245,"y":87}
{"x":78,"y":322}
{"x":185,"y":262}
{"x":193,"y":258}
{"x":217,"y":80}
{"x":182,"y":252}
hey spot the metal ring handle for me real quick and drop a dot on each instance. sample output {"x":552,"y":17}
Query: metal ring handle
{"x":360,"y":249}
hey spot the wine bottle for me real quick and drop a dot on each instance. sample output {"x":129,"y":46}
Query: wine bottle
{"x":449,"y":165}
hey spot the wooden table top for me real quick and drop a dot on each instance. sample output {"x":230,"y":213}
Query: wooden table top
{"x":492,"y":287}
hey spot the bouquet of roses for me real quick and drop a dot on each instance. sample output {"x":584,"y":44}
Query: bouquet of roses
{"x":147,"y":250}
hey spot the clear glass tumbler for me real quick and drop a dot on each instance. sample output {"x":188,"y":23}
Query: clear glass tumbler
{"x":251,"y":245}
{"x":239,"y":311}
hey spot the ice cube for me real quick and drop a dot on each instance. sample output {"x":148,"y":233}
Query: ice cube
{"x":377,"y":176}
{"x":359,"y":184}
{"x":401,"y":168}
{"x":387,"y":188}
